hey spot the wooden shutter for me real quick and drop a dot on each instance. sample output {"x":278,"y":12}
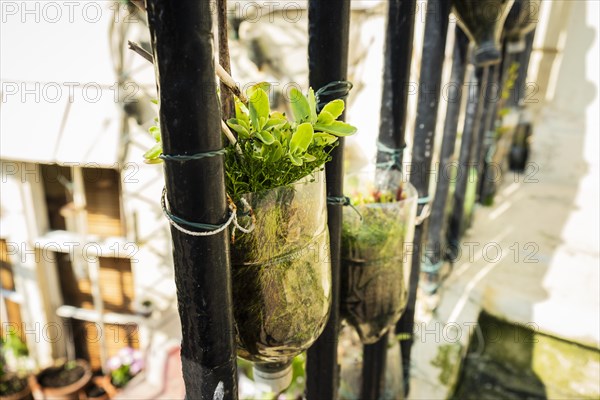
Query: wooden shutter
{"x":116,"y":284}
{"x":55,"y":193}
{"x":87,"y":339}
{"x":76,"y":293}
{"x":8,"y":283}
{"x":102,"y":195}
{"x":116,"y":287}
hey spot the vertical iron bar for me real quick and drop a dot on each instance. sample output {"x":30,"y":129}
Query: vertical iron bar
{"x":436,"y":31}
{"x":328,"y":29}
{"x":392,"y":128}
{"x":487,"y":183}
{"x":491,"y":98}
{"x":466,"y":159}
{"x":396,"y":76}
{"x":433,"y":253}
{"x":520,"y":88}
{"x":182,"y":42}
{"x":373,"y":370}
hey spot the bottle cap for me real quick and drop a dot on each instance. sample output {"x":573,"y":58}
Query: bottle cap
{"x":277,"y":376}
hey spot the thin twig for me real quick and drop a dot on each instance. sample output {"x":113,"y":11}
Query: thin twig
{"x":227,"y":132}
{"x":141,"y":51}
{"x":221,"y":73}
{"x":230,"y":83}
{"x":224,"y":128}
{"x":139,"y":4}
{"x":227,"y":103}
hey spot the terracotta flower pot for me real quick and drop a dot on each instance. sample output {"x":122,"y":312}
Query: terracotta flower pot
{"x":102,"y":382}
{"x":69,"y":385}
{"x":22,"y":394}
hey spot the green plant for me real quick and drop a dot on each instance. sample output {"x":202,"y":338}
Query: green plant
{"x":511,"y":79}
{"x":124,"y":366}
{"x":374,"y":234}
{"x":14,"y":345}
{"x":271,"y":149}
{"x":13,"y":353}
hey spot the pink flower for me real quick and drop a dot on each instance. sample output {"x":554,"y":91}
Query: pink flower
{"x":114,"y":363}
{"x":136,"y":367}
{"x":126,"y":352}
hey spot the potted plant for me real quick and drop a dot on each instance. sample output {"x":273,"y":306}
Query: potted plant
{"x":143,"y":308}
{"x":375,"y":264}
{"x":96,"y":390}
{"x":64,"y":380}
{"x":281,"y":275}
{"x":125,"y":365}
{"x":13,"y":386}
{"x":14,"y":368}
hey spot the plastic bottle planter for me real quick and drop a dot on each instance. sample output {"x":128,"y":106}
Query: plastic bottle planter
{"x":281,"y":272}
{"x":375,"y":264}
{"x":521,"y":19}
{"x":483,"y":21}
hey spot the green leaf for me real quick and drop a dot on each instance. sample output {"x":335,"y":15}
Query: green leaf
{"x":308,"y":157}
{"x":335,"y":108}
{"x":259,"y":106}
{"x":266,"y":86}
{"x":302,"y":138}
{"x":337,"y":128}
{"x":296,"y":160}
{"x":154,"y":101}
{"x":300,"y":106}
{"x":236,"y":125}
{"x":275,"y":123}
{"x":284,"y":135}
{"x":153,"y":161}
{"x":241,"y":111}
{"x":155,"y":132}
{"x":265,"y":137}
{"x":154,"y":152}
{"x":325,"y":118}
{"x":325,"y":138}
{"x":276,"y":151}
{"x":312,"y":103}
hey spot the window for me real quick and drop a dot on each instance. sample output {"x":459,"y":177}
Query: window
{"x":13,"y":309}
{"x":99,"y":186}
{"x":116,"y":288}
{"x":116,"y":284}
{"x":102,"y":196}
{"x":55,"y":180}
